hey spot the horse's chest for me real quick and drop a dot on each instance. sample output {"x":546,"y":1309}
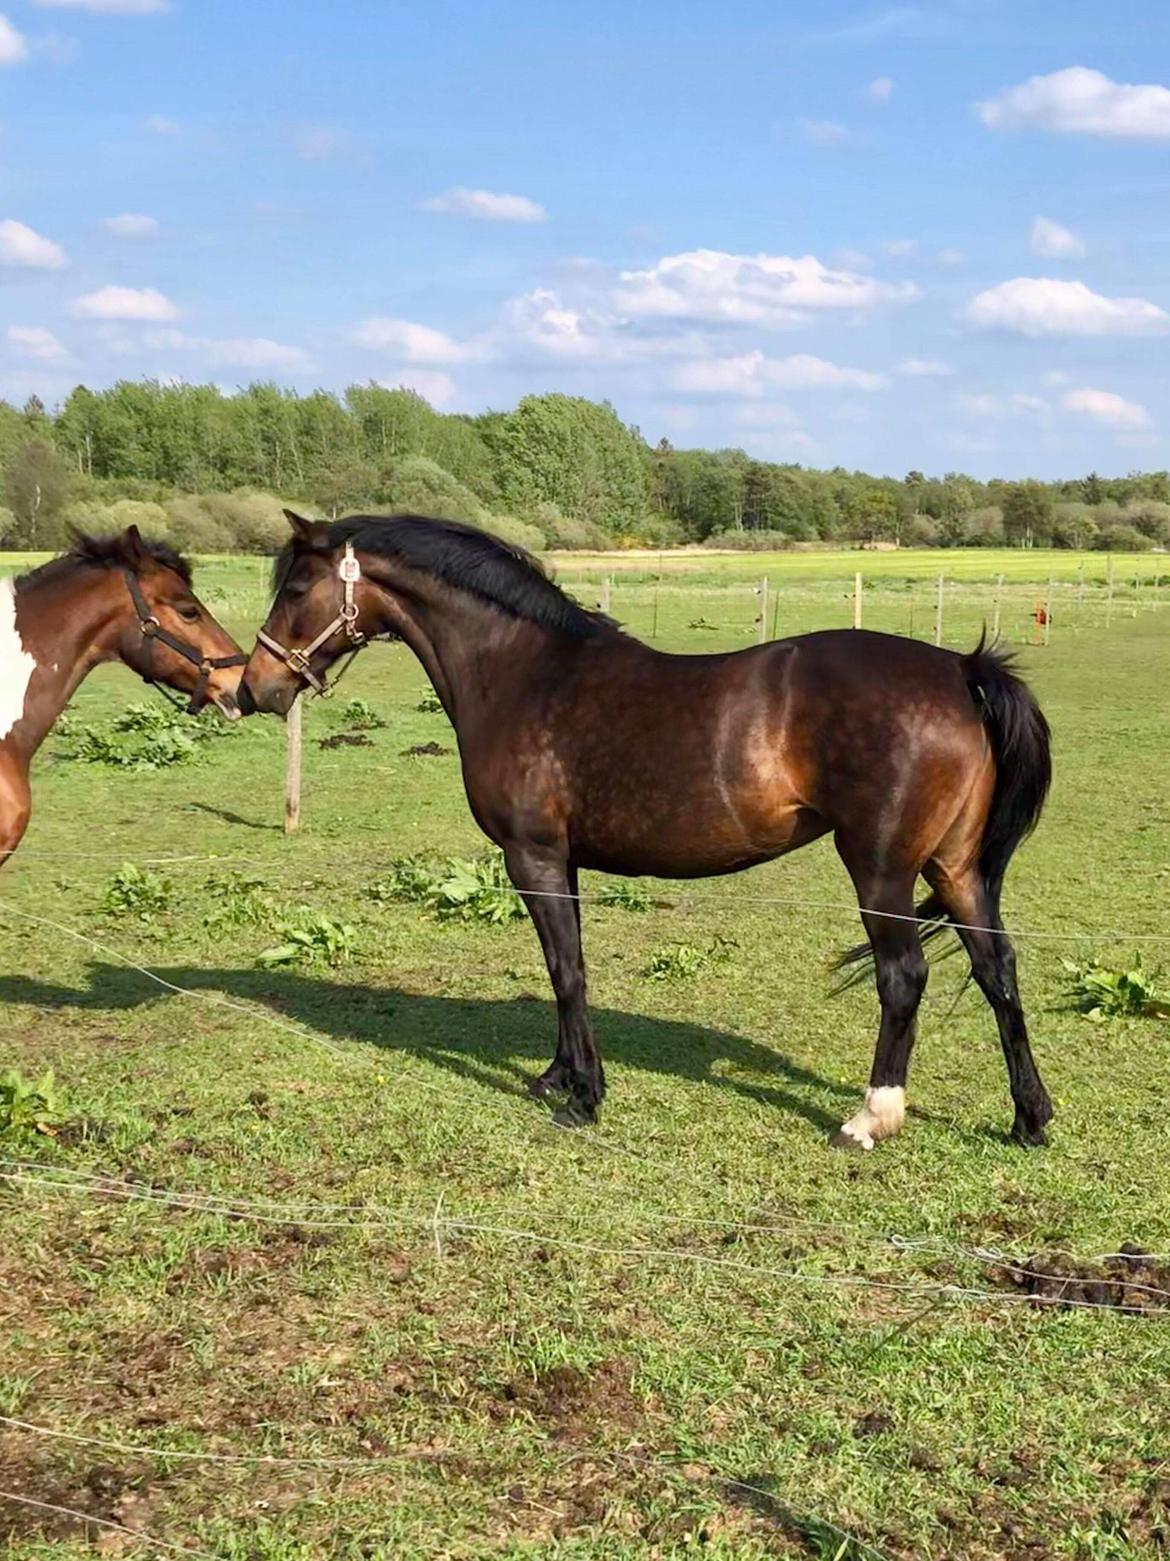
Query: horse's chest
{"x":16,"y":665}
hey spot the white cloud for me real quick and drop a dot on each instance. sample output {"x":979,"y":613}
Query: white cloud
{"x":1042,"y":306}
{"x":1105,"y":407}
{"x":949,"y":257}
{"x":895,"y":21}
{"x":410,"y":341}
{"x":486,"y":206}
{"x":34,"y":341}
{"x":125,"y":303}
{"x":853,"y":259}
{"x":13,"y":45}
{"x":1053,"y":241}
{"x":256,"y":353}
{"x":824,"y":132}
{"x":765,"y":414}
{"x":900,"y":247}
{"x":161,"y":125}
{"x":21,"y":246}
{"x":1004,"y":406}
{"x":766,"y":290}
{"x":131,"y":224}
{"x":320,"y":143}
{"x":1057,"y":377}
{"x":541,"y":319}
{"x":107,"y":7}
{"x":923,"y":368}
{"x":432,"y":384}
{"x":1081,"y":101}
{"x":880,"y":89}
{"x":753,"y":373}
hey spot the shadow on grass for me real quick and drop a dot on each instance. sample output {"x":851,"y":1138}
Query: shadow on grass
{"x":226,"y":816}
{"x":820,"y":1539}
{"x":483,"y":1040}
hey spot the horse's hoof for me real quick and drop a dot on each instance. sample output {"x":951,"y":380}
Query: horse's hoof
{"x":1029,"y":1137}
{"x":542,"y":1087}
{"x":843,"y":1140}
{"x":575,"y":1113}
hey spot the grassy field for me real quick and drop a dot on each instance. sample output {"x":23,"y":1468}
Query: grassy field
{"x":309,"y":1214}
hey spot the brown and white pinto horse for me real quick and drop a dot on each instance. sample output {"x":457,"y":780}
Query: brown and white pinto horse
{"x":109,"y":599}
{"x":582,"y":747}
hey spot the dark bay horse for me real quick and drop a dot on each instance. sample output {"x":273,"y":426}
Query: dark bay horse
{"x":109,"y":599}
{"x":584,"y":748}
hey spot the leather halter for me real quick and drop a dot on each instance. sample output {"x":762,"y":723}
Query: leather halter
{"x":349,"y":572}
{"x":153,"y":630}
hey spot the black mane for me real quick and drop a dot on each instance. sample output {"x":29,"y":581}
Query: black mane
{"x":497,"y":572}
{"x":113,"y":552}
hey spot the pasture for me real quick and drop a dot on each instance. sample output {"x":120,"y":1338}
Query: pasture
{"x":300,"y":1270}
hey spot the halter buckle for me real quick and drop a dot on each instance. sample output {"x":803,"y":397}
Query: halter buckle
{"x":348,"y":569}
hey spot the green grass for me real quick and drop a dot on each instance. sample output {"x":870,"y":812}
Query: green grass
{"x":619,"y":1366}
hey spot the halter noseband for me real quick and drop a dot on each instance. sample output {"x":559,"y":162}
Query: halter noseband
{"x":153,"y":630}
{"x":349,"y":572}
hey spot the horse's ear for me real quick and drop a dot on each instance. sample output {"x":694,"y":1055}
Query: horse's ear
{"x":304,"y":530}
{"x":132,"y":542}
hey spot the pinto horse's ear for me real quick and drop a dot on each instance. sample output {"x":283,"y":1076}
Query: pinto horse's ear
{"x":132,"y":542}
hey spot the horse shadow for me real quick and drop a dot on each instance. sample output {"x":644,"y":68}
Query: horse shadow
{"x":497,"y":1043}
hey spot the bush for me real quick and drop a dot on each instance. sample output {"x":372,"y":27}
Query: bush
{"x":921,"y":531}
{"x":455,"y":889}
{"x":568,"y":531}
{"x":138,"y":892}
{"x":749,"y":541}
{"x":27,"y":1106}
{"x":516,"y":533}
{"x":1122,"y":539}
{"x":984,"y":527}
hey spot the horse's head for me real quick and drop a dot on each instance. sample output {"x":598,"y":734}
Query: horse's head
{"x":168,"y":635}
{"x":315,"y":619}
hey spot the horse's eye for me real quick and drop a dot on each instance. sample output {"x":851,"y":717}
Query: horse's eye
{"x":190,"y":612}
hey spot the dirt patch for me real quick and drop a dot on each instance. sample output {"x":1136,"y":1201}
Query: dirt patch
{"x":576,"y":1404}
{"x":1130,"y":1281}
{"x":425,"y":751}
{"x":345,"y":740}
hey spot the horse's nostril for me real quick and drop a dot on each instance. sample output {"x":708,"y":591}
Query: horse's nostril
{"x":244,"y":701}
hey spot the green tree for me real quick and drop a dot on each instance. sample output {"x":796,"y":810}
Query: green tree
{"x":1027,"y":514}
{"x":36,"y":487}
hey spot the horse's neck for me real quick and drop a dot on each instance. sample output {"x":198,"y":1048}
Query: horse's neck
{"x":472,"y":655}
{"x":52,"y":634}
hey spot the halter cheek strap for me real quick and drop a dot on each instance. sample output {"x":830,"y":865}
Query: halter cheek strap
{"x":152,"y":630}
{"x":299,"y":660}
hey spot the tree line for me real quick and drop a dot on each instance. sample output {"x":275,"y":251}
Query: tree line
{"x":212,"y":471}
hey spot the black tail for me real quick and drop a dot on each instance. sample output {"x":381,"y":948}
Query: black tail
{"x":1022,"y":745}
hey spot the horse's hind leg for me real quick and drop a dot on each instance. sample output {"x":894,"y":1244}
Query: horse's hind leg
{"x":975,"y":906}
{"x":887,"y":901}
{"x":549,"y":886}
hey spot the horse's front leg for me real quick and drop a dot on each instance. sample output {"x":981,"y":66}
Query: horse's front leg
{"x":15,"y":805}
{"x":548,"y":885}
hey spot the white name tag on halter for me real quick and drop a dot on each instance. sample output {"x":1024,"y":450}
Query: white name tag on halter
{"x":349,"y":569}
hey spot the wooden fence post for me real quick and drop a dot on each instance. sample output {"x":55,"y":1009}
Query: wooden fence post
{"x":997,"y":607}
{"x":606,"y":585}
{"x":1048,"y":612}
{"x":857,"y":600}
{"x":763,"y":609}
{"x":938,"y":613}
{"x":1109,"y":592}
{"x":292,"y":773}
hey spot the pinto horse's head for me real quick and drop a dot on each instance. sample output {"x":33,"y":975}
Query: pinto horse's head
{"x":314,"y":619}
{"x":163,"y":631}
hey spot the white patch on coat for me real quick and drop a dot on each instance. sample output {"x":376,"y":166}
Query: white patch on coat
{"x":880,"y":1117}
{"x":16,"y":665}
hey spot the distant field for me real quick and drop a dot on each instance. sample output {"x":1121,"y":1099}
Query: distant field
{"x":691,"y":1331}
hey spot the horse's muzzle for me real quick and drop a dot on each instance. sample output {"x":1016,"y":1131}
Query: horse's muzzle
{"x":275,"y":698}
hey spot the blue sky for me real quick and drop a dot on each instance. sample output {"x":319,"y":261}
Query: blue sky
{"x":809,"y":229}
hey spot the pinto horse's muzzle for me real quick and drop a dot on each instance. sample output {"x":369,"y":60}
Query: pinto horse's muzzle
{"x":152,"y":630}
